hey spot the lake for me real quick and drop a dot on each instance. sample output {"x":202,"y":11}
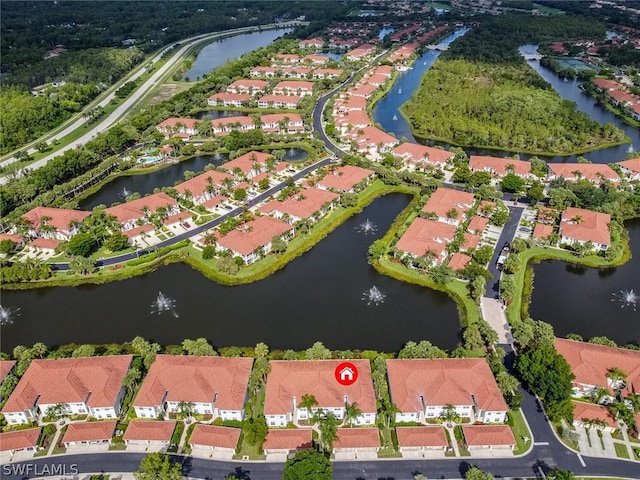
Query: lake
{"x":220,"y":52}
{"x":318,"y":296}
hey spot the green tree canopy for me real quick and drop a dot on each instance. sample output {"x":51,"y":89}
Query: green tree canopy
{"x":308,"y":465}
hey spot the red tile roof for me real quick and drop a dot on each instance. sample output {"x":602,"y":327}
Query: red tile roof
{"x":422,"y":236}
{"x":288,"y":57}
{"x":375,"y":136}
{"x":289,"y":439}
{"x":96,"y":380}
{"x":589,"y":171}
{"x":477,"y":224}
{"x":177,"y":378}
{"x":632,"y":164}
{"x":444,"y":199}
{"x":133,"y":232}
{"x":355,"y":118}
{"x":590,"y":362}
{"x":19,"y":439}
{"x":329,"y":71}
{"x":542,"y":230}
{"x":623,"y":97}
{"x":178,"y":217}
{"x":289,"y":379}
{"x":10,"y":236}
{"x":294,"y":85}
{"x":241,"y":97}
{"x":5,"y":367}
{"x":345,"y":177}
{"x":606,"y":84}
{"x":357,"y":438}
{"x":499,"y":166}
{"x":484,"y":435}
{"x":254,"y":234}
{"x":459,"y":260}
{"x":471,"y":241}
{"x":245,"y":162}
{"x":280,"y":117}
{"x":303,"y":204}
{"x":45,"y":243}
{"x":443,"y":381}
{"x":583,"y":411}
{"x":245,"y":83}
{"x":214,"y":436}
{"x":89,"y":431}
{"x":415,"y":153}
{"x":364,"y":90}
{"x":198,"y":184}
{"x":150,"y":430}
{"x":135,"y":208}
{"x":173,"y":122}
{"x":421,"y":437}
{"x":593,"y":226}
{"x":280,"y":99}
{"x":214,"y":201}
{"x":59,"y":218}
{"x":316,"y":58}
{"x":231,"y":121}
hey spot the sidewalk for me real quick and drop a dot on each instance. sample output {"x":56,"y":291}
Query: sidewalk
{"x":494,"y":315}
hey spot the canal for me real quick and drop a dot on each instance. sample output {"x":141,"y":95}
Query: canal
{"x":222,"y":51}
{"x":386,"y":112}
{"x":318,"y":296}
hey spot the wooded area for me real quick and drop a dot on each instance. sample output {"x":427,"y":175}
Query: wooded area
{"x":500,"y":106}
{"x":482,"y":93}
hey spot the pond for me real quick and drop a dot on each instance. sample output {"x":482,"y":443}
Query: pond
{"x":215,"y":114}
{"x":120,"y":187}
{"x":222,"y":51}
{"x":318,"y":296}
{"x":587,"y":301}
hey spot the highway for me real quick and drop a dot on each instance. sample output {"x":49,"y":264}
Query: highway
{"x":130,"y":101}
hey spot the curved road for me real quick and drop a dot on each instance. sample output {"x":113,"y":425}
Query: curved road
{"x":130,"y":101}
{"x":547,"y":451}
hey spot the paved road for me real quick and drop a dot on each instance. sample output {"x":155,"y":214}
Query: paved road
{"x":128,"y":103}
{"x":205,"y":226}
{"x":508,"y":232}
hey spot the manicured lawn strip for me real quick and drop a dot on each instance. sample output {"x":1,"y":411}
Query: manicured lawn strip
{"x":534,"y":255}
{"x":520,"y":430}
{"x":621,"y":450}
{"x":298,"y":245}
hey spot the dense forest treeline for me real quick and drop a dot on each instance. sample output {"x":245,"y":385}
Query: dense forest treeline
{"x":500,"y":106}
{"x":605,"y":12}
{"x":30,"y":29}
{"x":92,"y":33}
{"x":496,"y":39}
{"x":25,"y":116}
{"x":45,"y":186}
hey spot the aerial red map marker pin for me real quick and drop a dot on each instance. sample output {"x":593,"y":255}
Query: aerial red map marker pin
{"x":346,"y":374}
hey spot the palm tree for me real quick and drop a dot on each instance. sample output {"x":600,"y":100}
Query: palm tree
{"x":449,"y":414}
{"x":617,"y":377}
{"x":185,"y":410}
{"x":598,"y":394}
{"x":559,"y":474}
{"x":351,"y":413}
{"x":388,"y":414}
{"x":452,"y":213}
{"x":328,"y":427}
{"x":56,"y":411}
{"x":307,"y":403}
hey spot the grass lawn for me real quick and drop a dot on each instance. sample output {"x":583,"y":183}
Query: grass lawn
{"x":621,"y":450}
{"x":520,"y":431}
